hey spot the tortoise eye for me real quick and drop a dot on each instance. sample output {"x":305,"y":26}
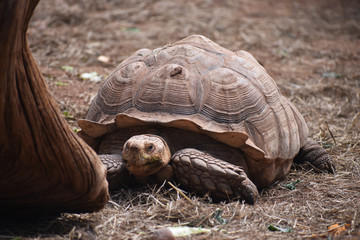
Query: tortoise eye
{"x":150,"y":147}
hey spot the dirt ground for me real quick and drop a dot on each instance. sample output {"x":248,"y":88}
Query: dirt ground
{"x":310,"y":48}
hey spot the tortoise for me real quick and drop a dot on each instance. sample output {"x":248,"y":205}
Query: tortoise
{"x":211,"y":118}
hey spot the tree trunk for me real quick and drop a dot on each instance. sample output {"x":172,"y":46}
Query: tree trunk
{"x":44,"y":166}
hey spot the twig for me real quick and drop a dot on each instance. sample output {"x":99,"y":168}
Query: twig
{"x":354,"y":120}
{"x":181,"y":193}
{"x":331,"y":134}
{"x":206,"y":218}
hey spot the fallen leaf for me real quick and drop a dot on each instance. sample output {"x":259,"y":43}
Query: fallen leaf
{"x":337,"y":229}
{"x":327,"y":145}
{"x":331,"y":75}
{"x":174,"y":232}
{"x":186,"y":231}
{"x":92,"y":76}
{"x":130,"y":29}
{"x":67,"y":114}
{"x":67,"y":68}
{"x":58,"y":83}
{"x":283,"y":53}
{"x":104,"y":59}
{"x":333,"y":230}
{"x":276,"y":228}
{"x":292,"y":186}
{"x":217,"y":215}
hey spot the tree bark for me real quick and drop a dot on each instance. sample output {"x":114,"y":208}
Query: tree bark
{"x":44,"y":166}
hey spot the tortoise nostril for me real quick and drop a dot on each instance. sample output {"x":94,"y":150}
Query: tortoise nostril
{"x":134,"y":149}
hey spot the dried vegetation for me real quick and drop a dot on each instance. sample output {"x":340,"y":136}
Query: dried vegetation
{"x":310,"y":48}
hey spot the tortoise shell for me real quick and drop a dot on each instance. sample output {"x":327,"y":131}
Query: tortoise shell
{"x":197,"y":85}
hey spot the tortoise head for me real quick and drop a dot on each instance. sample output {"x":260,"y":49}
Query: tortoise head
{"x":145,"y":154}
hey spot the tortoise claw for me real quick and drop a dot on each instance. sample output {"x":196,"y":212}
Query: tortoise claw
{"x":327,"y":166}
{"x":250,"y":192}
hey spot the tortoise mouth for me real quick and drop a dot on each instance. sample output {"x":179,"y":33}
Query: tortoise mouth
{"x":144,"y":166}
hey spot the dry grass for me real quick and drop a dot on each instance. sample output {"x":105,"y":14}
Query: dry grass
{"x":311,"y":49}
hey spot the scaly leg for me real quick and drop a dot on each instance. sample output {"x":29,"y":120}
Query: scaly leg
{"x":117,"y":174}
{"x":202,"y":173}
{"x":316,"y":156}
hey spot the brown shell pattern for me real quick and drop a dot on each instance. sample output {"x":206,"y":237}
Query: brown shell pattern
{"x":197,"y":85}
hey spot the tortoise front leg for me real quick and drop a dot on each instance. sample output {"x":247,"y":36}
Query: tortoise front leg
{"x":117,"y":175}
{"x":202,"y":173}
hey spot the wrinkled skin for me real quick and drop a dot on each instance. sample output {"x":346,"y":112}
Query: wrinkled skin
{"x":144,"y":155}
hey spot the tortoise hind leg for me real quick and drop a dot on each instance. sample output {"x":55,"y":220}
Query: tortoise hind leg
{"x":316,"y":156}
{"x":202,"y":173}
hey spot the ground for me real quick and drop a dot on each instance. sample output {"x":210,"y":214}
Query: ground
{"x":310,"y":48}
